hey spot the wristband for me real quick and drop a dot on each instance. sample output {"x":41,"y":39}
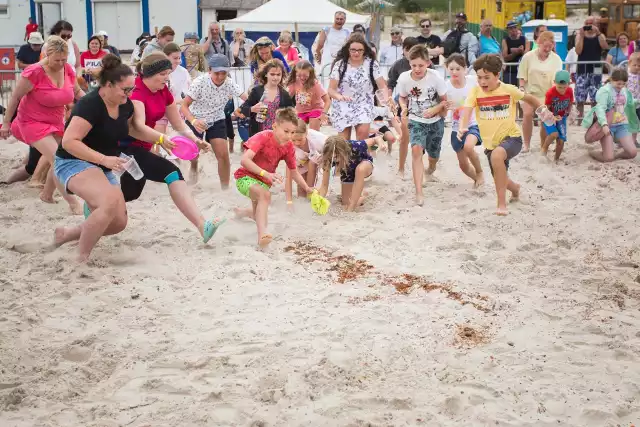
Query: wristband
{"x":289,"y":202}
{"x":193,"y":122}
{"x":262,"y":172}
{"x":160,"y":140}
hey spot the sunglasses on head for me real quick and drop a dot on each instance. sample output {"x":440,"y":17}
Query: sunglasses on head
{"x":263,"y":44}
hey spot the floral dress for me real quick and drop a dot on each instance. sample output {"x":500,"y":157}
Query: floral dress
{"x":272,"y":107}
{"x":356,"y":84}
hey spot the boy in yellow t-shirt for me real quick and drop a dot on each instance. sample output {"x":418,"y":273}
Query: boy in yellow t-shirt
{"x":495,"y":107}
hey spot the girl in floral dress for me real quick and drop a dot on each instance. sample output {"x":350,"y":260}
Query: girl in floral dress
{"x":355,"y":76}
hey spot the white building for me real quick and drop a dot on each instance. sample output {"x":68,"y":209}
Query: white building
{"x":123,"y":20}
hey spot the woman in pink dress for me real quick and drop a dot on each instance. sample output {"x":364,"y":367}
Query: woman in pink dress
{"x":40,"y":97}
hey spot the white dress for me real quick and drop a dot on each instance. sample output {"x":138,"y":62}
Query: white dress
{"x":356,"y":84}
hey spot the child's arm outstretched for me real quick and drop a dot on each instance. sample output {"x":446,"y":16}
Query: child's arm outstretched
{"x":294,"y":175}
{"x":465,"y":116}
{"x":248,"y":163}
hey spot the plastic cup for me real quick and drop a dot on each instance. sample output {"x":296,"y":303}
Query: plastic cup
{"x":185,"y":148}
{"x":130,"y":166}
{"x":383,"y":96}
{"x":549,"y":120}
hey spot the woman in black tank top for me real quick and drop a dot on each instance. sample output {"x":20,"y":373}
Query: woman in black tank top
{"x":513,"y":48}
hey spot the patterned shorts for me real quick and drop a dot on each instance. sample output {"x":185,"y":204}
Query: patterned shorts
{"x":428,"y":136}
{"x":586,"y":87}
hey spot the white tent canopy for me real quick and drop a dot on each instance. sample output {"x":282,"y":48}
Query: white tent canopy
{"x":278,"y":15}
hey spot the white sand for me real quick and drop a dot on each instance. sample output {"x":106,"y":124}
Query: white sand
{"x":160,"y":330}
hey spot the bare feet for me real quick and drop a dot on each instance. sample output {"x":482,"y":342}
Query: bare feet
{"x":401,"y":174}
{"x":62,"y":235}
{"x":47,"y":199}
{"x":35,"y":184}
{"x":77,"y":208}
{"x":525,"y":149}
{"x":243,"y":213}
{"x":502,"y":211}
{"x":479,"y":181}
{"x":419,"y":200}
{"x":264,"y":241}
{"x":515,"y":195}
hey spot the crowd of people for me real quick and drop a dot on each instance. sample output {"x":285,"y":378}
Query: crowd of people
{"x":85,"y":115}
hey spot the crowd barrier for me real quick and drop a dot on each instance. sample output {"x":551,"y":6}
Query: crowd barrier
{"x":242,"y":77}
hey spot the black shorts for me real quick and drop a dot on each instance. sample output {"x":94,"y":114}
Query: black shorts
{"x":154,"y":167}
{"x":217,"y":131}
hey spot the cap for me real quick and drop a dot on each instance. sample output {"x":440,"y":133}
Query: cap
{"x":189,"y":35}
{"x":512,"y":24}
{"x":396,"y":29}
{"x":264,"y":41}
{"x":103,"y":33}
{"x":35,"y":38}
{"x":461,"y":15}
{"x":219,"y":62}
{"x":563,"y":77}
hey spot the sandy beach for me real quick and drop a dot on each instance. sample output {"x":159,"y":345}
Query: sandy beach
{"x":444,"y":315}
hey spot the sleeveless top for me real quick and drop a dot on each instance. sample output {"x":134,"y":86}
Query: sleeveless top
{"x":511,"y":44}
{"x":591,"y":51}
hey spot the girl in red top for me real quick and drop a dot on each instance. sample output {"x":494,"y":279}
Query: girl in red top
{"x":152,"y":98}
{"x":312,"y":102}
{"x":42,"y":94}
{"x":91,"y":60}
{"x":263,"y":153}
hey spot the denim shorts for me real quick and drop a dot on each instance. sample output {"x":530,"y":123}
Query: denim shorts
{"x":65,"y":169}
{"x":619,"y":131}
{"x":512,"y":145}
{"x":458,"y":145}
{"x":428,"y":136}
{"x":559,"y":127}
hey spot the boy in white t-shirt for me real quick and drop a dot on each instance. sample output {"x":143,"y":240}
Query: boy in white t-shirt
{"x":458,"y":88}
{"x":423,"y":102}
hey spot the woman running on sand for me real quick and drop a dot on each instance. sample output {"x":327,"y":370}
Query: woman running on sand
{"x":85,"y":161}
{"x":42,"y":94}
{"x":153,"y":100}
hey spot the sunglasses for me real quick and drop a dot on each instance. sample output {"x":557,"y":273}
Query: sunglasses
{"x":263,"y":44}
{"x":356,"y":50}
{"x":395,"y":34}
{"x":65,"y":36}
{"x":426,"y":26}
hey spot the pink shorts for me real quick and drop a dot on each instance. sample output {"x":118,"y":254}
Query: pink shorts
{"x":313,"y":114}
{"x":30,"y":132}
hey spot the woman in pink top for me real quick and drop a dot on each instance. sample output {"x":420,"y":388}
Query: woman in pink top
{"x":286,"y":48}
{"x":40,"y":98}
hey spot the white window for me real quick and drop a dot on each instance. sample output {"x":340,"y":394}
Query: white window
{"x":4,"y":7}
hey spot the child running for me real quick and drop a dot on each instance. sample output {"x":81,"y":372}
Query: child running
{"x":423,"y":99}
{"x":309,"y":144}
{"x":558,"y":100}
{"x":495,"y":103}
{"x":458,"y":88}
{"x":382,"y":124}
{"x":615,"y":114}
{"x":263,"y":153}
{"x":312,"y":101}
{"x":353,"y":162}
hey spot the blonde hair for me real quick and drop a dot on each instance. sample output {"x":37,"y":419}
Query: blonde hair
{"x":336,"y":150}
{"x":56,"y":44}
{"x":634,"y":57}
{"x":285,"y":36}
{"x":546,"y":36}
{"x":302,"y":127}
{"x":287,"y":114}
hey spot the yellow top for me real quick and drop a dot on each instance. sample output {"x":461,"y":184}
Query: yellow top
{"x":495,"y":113}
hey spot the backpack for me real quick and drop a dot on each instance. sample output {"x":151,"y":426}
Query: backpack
{"x":452,"y":43}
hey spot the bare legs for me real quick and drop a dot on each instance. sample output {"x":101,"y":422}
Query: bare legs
{"x":527,"y":126}
{"x":608,"y":149}
{"x":183,"y":200}
{"x":418,"y":172}
{"x":404,"y":146}
{"x":260,"y":201}
{"x":469,"y":162}
{"x":48,"y":146}
{"x":221,"y":150}
{"x":108,"y":212}
{"x":502,"y":181}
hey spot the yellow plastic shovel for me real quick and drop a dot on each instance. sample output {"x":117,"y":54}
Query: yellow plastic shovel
{"x":319,"y":204}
